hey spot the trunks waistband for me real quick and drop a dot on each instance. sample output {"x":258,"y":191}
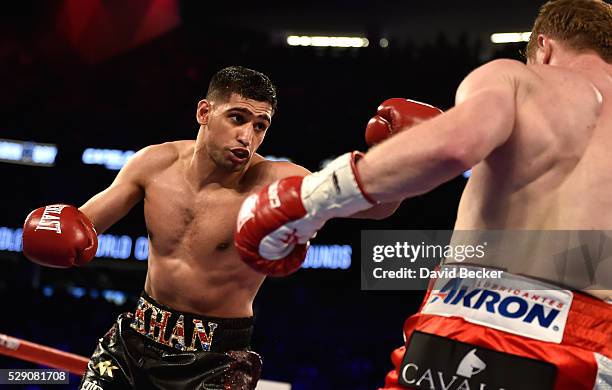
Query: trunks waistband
{"x":525,"y":306}
{"x":187,"y":331}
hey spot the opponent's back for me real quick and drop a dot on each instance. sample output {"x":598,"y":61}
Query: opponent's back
{"x":553,"y":173}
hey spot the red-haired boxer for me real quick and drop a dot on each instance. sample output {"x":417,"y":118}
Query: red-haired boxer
{"x":193,"y":323}
{"x":538,"y":137}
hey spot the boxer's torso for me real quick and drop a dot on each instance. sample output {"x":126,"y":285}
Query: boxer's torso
{"x":193,"y":264}
{"x":554,"y":172}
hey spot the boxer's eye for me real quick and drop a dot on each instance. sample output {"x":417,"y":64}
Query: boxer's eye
{"x":237,"y":118}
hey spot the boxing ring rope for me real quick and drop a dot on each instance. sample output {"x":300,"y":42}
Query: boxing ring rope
{"x":40,"y":354}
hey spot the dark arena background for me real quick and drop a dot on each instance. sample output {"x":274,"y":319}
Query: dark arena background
{"x":84,"y":83}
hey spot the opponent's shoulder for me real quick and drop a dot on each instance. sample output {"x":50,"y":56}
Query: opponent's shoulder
{"x":499,"y":68}
{"x":565,"y":78}
{"x":505,"y":73}
{"x":491,"y":73}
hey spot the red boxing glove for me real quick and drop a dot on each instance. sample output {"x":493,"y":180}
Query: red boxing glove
{"x":259,"y":216}
{"x":274,"y":225}
{"x":395,"y":115}
{"x":59,"y":236}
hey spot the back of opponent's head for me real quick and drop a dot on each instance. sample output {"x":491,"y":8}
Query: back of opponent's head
{"x":580,"y":25}
{"x":59,"y":236}
{"x":245,"y":82}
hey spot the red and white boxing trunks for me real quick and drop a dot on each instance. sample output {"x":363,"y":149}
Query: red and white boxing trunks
{"x":511,"y":333}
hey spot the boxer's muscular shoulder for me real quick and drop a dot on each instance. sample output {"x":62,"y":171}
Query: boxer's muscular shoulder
{"x":162,"y":155}
{"x":154,"y":159}
{"x":266,"y":171}
{"x":503,"y":75}
{"x":276,"y":170}
{"x":563,"y":100}
{"x":559,"y":80}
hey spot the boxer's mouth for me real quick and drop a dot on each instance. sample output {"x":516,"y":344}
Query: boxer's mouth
{"x":241,"y":153}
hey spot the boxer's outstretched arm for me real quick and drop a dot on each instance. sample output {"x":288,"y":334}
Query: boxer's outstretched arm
{"x":110,"y":205}
{"x":380,"y":211}
{"x":43,"y":240}
{"x":416,"y":161}
{"x":277,"y":222}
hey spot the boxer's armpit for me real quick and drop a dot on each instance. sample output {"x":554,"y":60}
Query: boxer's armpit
{"x":110,"y":205}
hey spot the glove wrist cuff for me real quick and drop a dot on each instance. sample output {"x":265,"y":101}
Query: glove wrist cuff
{"x":356,"y":156}
{"x":335,"y":191}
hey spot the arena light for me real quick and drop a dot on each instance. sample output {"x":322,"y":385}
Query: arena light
{"x":10,"y":239}
{"x":48,"y":291}
{"x":141,"y":248}
{"x":510,"y":37}
{"x":328,"y":256}
{"x":326,"y":41}
{"x":77,"y":292}
{"x":277,"y":158}
{"x":114,"y":296}
{"x":114,"y":247}
{"x":27,"y":153}
{"x":112,"y":159}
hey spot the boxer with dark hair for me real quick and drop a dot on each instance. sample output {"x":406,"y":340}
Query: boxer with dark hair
{"x":538,"y":138}
{"x":193,"y":323}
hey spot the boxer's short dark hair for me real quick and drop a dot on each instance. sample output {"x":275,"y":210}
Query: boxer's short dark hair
{"x":245,"y":82}
{"x":580,"y":24}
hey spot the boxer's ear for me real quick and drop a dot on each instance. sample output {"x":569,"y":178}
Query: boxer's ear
{"x":544,"y":50}
{"x":202,"y":112}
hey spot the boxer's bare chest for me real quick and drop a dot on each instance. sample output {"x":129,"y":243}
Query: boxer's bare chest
{"x":187,"y":222}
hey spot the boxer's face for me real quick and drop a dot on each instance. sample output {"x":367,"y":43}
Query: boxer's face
{"x":234,"y":129}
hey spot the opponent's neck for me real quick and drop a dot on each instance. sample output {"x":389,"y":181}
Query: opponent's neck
{"x":587,"y":63}
{"x":595,"y":69}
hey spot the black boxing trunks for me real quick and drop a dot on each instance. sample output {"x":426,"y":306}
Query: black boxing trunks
{"x":159,"y":348}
